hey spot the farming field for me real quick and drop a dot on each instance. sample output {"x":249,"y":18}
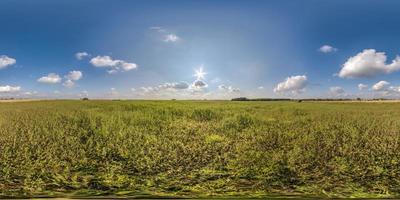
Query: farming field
{"x":199,"y":149}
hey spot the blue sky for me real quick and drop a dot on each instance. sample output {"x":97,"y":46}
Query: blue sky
{"x":152,"y":49}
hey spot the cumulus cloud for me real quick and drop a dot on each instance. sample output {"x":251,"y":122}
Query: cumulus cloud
{"x":381,"y":86}
{"x":367,"y":64}
{"x":104,"y":61}
{"x":336,"y":90}
{"x":6,"y":61}
{"x":51,"y":78}
{"x":327,"y":49}
{"x":9,"y":89}
{"x":362,"y":86}
{"x":69,"y":83}
{"x":113,"y":65}
{"x":71,"y":77}
{"x":198,"y":85}
{"x":81,"y":55}
{"x":74,"y":75}
{"x":171,"y":38}
{"x":293,"y":84}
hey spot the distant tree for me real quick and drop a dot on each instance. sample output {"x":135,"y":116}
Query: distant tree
{"x":85,"y":99}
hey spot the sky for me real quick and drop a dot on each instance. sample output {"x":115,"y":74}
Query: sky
{"x":208,"y":49}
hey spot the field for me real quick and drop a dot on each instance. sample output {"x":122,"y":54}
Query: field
{"x":199,"y":149}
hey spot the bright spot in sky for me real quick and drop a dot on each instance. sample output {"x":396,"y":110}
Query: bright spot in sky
{"x":200,"y":73}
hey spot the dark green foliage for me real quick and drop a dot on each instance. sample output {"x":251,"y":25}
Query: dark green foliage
{"x":199,"y":149}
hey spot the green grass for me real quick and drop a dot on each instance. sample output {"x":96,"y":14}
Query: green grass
{"x":199,"y":149}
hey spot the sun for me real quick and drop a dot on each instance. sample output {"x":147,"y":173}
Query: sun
{"x":199,"y":73}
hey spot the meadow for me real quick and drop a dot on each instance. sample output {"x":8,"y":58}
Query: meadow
{"x":199,"y":149}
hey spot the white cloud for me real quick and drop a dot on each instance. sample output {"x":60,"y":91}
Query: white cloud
{"x":381,"y":86}
{"x":260,"y":88}
{"x":368,"y":63}
{"x":128,"y":66}
{"x":81,"y":55}
{"x":171,"y":38}
{"x":293,"y":84}
{"x":51,"y":78}
{"x":6,"y":61}
{"x":327,"y":49}
{"x":147,"y":89}
{"x":69,"y":83}
{"x":229,"y":89}
{"x":104,"y":61}
{"x":362,"y":86}
{"x":114,"y":65}
{"x":166,"y":35}
{"x":9,"y":89}
{"x":336,"y":90}
{"x":74,"y":75}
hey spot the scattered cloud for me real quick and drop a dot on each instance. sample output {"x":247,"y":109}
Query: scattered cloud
{"x":9,"y":89}
{"x":51,"y":78}
{"x":260,"y":88}
{"x":177,"y":86}
{"x":362,"y":86}
{"x":229,"y":89}
{"x":104,"y":61}
{"x":336,"y":90}
{"x":293,"y":84}
{"x":81,"y":55}
{"x":166,"y":35}
{"x":74,"y":75}
{"x":198,"y":84}
{"x":367,"y":64}
{"x":171,"y":38}
{"x":68,"y":83}
{"x":327,"y":49}
{"x":381,"y":86}
{"x":6,"y":61}
{"x":113,"y":65}
{"x":71,"y":77}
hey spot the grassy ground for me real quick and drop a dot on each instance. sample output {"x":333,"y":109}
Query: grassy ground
{"x":199,"y":149}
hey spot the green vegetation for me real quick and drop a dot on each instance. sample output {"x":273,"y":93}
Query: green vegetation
{"x":199,"y":149}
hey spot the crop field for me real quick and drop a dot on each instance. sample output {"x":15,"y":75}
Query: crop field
{"x":199,"y":149}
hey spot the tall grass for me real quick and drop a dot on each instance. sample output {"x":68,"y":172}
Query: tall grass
{"x":197,"y":149}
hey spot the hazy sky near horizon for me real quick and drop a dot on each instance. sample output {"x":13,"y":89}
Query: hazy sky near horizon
{"x":189,"y":49}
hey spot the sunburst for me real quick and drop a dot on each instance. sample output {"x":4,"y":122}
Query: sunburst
{"x":199,"y":73}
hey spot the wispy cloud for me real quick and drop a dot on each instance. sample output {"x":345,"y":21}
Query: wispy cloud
{"x":167,"y":36}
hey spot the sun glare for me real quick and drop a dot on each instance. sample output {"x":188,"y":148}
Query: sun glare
{"x":199,"y":73}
